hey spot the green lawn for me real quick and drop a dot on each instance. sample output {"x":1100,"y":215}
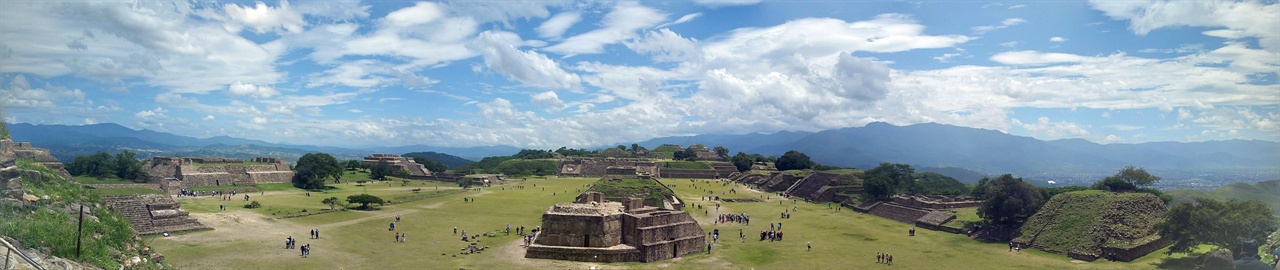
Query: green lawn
{"x":244,"y":239}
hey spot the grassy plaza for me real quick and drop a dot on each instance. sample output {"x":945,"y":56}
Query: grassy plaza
{"x":254,"y":238}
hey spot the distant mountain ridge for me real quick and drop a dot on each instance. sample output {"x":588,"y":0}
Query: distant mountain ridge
{"x":994,"y":152}
{"x":65,"y":142}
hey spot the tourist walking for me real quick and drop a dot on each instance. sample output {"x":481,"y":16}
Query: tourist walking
{"x":808,"y":246}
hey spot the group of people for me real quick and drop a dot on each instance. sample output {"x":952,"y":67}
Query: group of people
{"x":400,"y":237}
{"x":735,"y":218}
{"x":771,"y":235}
{"x":884,"y":258}
{"x":315,"y":233}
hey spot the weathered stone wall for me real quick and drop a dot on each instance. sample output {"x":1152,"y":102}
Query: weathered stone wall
{"x":141,"y":185}
{"x":1137,"y":251}
{"x":898,"y":212}
{"x":12,"y":151}
{"x":599,"y":166}
{"x":687,"y":173}
{"x":580,"y":230}
{"x":625,"y":254}
{"x":808,"y":187}
{"x":778,"y":182}
{"x":937,"y":202}
{"x":153,"y":214}
{"x":271,"y":177}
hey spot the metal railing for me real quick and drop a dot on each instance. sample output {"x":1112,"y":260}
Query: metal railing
{"x":10,"y":249}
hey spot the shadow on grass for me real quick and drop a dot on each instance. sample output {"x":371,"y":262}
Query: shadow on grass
{"x":1188,"y":262}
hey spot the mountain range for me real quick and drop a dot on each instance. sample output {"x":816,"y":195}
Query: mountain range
{"x":961,"y":152}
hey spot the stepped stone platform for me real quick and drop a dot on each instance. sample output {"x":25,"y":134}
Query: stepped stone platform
{"x":176,"y":173}
{"x":599,"y":167}
{"x":153,"y":214}
{"x":924,"y":218}
{"x":592,"y":229}
{"x":809,"y":186}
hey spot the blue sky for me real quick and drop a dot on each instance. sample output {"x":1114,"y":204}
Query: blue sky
{"x":547,"y":74}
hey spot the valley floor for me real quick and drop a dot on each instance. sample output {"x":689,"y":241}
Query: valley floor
{"x":253,"y":239}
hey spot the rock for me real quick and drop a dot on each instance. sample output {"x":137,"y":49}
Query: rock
{"x":44,"y":197}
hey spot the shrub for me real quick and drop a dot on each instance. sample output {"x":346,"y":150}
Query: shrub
{"x":253,"y":204}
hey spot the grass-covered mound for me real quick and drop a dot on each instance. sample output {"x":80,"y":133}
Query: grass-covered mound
{"x":50,"y":224}
{"x":1086,"y":221}
{"x":618,"y":189}
{"x":1267,"y":192}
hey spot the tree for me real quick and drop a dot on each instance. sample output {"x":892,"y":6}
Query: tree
{"x":99,"y":165}
{"x":1010,"y":201}
{"x":635,"y":147}
{"x":305,"y":178}
{"x":938,"y":184}
{"x":878,"y":187}
{"x":742,"y":161}
{"x":466,"y":182}
{"x":364,"y":200}
{"x":331,"y":201}
{"x":321,"y":164}
{"x":1127,"y":179}
{"x":127,"y":166}
{"x":352,"y":164}
{"x":793,"y":160}
{"x":380,"y":171}
{"x":722,"y":152}
{"x":1223,"y":224}
{"x":431,"y":164}
{"x":900,"y":174}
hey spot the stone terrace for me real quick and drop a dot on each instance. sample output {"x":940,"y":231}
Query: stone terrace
{"x":808,"y":187}
{"x":153,"y":214}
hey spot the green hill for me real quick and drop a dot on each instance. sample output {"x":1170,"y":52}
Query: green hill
{"x":1086,"y":221}
{"x":446,"y":159}
{"x":1267,"y":192}
{"x":618,"y":189}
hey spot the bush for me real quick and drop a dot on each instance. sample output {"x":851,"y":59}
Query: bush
{"x":253,"y":204}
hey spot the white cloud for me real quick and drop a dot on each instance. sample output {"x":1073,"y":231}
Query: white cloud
{"x":548,"y":99}
{"x":946,"y":57}
{"x":246,"y":89}
{"x":1239,"y":18}
{"x":1006,"y":23}
{"x":553,"y":28}
{"x":1017,"y":6}
{"x":20,"y":94}
{"x":726,"y":3}
{"x":1126,"y":127}
{"x":420,"y":13}
{"x":263,"y":18}
{"x":1010,"y":44}
{"x":527,"y":67}
{"x":158,"y":112}
{"x":665,"y":46}
{"x":1048,"y":129}
{"x":1057,"y":39}
{"x":619,"y":24}
{"x":1035,"y":58}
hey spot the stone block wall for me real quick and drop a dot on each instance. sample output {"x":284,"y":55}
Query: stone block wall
{"x":936,"y":203}
{"x":687,"y":173}
{"x":779,"y":182}
{"x":140,"y":185}
{"x":898,"y":212}
{"x":580,"y":230}
{"x":626,"y":254}
{"x":599,"y":166}
{"x":808,"y":187}
{"x":1136,"y":252}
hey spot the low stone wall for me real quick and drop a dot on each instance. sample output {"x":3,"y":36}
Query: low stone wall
{"x":687,"y":173}
{"x":897,"y":212}
{"x":270,"y":177}
{"x":606,"y":255}
{"x":1135,"y":252}
{"x":140,"y":185}
{"x":932,"y":203}
{"x":808,"y":187}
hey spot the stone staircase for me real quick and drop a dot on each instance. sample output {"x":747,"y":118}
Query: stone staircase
{"x":898,"y":212}
{"x":153,"y":214}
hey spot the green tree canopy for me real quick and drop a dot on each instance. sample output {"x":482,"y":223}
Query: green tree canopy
{"x":365,"y":200}
{"x":4,"y":125}
{"x":331,"y":201}
{"x":1128,"y":179}
{"x":380,"y":170}
{"x":742,"y":161}
{"x":1009,"y":200}
{"x":322,"y":164}
{"x":721,"y":151}
{"x":352,"y":164}
{"x":1223,"y":224}
{"x":793,"y":160}
{"x":901,"y":176}
{"x":879,"y":187}
{"x":124,"y":165}
{"x":938,"y":184}
{"x":431,"y":164}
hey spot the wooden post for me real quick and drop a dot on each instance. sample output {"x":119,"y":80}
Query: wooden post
{"x":79,"y":231}
{"x":6,"y":257}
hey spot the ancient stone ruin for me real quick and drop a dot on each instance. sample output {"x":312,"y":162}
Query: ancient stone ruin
{"x":924,"y":211}
{"x":397,"y":163}
{"x":592,"y":229}
{"x":175,"y":173}
{"x":153,"y":214}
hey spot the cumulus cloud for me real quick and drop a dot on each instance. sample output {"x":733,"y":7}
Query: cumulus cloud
{"x":20,"y":94}
{"x":263,"y":18}
{"x":618,"y":25}
{"x":1057,"y":39}
{"x":1045,"y":128}
{"x":527,"y":67}
{"x":1034,"y":58}
{"x":248,"y":89}
{"x":548,"y":99}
